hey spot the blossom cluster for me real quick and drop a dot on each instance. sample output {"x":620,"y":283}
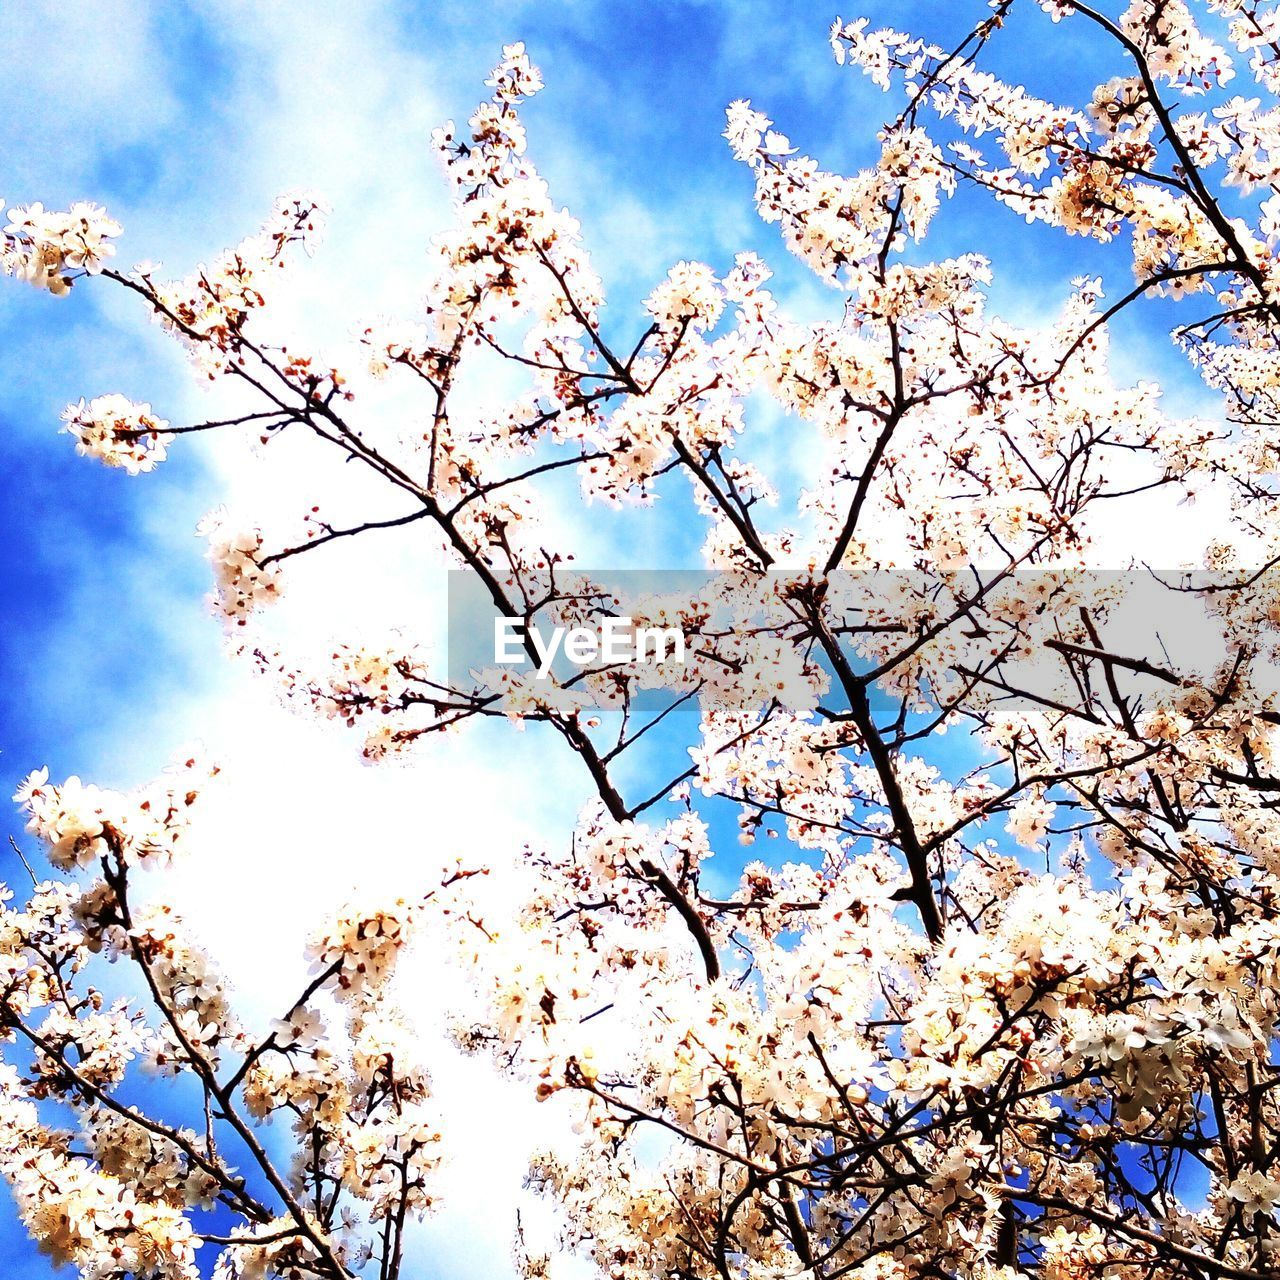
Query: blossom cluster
{"x":127,"y":1194}
{"x":50,"y":248}
{"x":118,"y":432}
{"x":82,"y":824}
{"x":210,"y":309}
{"x":244,"y":579}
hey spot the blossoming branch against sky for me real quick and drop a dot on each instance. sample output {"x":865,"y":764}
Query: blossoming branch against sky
{"x":917,"y":919}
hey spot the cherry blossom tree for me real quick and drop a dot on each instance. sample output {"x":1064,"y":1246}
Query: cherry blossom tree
{"x":1001,"y":1010}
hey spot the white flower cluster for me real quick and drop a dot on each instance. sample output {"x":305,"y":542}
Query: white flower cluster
{"x":118,"y":432}
{"x":89,"y":1219}
{"x":48,"y":247}
{"x":375,"y":682}
{"x":242,"y":581}
{"x":209,"y":310}
{"x":364,"y":943}
{"x":838,"y":225}
{"x":690,"y":295}
{"x":515,"y":77}
{"x":82,"y":824}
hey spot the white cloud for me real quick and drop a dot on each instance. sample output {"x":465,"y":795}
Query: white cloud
{"x":79,"y":79}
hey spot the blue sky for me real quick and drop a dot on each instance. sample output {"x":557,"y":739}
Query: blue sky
{"x":186,"y":121}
